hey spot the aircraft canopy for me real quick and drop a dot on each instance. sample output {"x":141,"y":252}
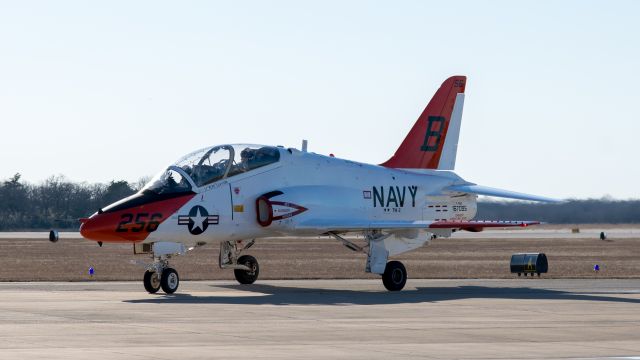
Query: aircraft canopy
{"x":210,"y":164}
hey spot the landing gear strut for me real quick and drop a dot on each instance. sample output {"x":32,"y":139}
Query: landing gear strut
{"x":245,"y":267}
{"x":394,"y":274}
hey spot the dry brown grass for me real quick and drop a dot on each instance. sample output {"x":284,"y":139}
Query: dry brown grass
{"x":69,"y":260}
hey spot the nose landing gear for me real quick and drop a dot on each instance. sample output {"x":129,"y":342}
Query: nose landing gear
{"x":160,"y":275}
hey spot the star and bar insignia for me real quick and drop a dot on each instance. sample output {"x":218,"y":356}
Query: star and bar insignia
{"x":198,"y":220}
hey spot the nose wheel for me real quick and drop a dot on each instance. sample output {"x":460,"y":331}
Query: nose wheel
{"x":168,"y":280}
{"x":151,"y":281}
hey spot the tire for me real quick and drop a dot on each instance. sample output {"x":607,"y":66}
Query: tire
{"x":169,"y":280}
{"x":244,"y":276}
{"x":151,"y":282}
{"x":395,"y":276}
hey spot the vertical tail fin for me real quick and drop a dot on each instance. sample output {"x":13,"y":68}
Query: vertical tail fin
{"x":432,"y":143}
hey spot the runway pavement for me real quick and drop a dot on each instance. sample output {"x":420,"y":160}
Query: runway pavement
{"x":349,"y":319}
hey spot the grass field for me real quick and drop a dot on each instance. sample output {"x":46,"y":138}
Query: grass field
{"x":24,"y":259}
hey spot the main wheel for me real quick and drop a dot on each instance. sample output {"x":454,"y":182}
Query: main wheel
{"x":169,"y":280}
{"x":151,"y":282}
{"x":247,"y":276}
{"x":395,"y":276}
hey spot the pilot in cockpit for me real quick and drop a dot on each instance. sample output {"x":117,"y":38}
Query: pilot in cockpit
{"x":255,"y":158}
{"x":246,"y":158}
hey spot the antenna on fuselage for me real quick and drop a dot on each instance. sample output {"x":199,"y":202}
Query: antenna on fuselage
{"x":304,"y":145}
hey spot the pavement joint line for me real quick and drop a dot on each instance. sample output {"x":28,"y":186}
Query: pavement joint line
{"x":129,"y":354}
{"x":396,"y":353}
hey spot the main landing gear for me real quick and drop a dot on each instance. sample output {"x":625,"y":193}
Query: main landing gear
{"x":247,"y":276}
{"x":394,"y":274}
{"x":245,"y":267}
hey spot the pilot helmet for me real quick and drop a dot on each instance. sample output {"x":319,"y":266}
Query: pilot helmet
{"x":247,"y":153}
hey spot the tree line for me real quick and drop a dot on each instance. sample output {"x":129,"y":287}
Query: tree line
{"x":55,"y":203}
{"x":590,"y":211}
{"x":58,"y":203}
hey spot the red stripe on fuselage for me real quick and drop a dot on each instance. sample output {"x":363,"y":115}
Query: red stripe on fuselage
{"x":131,"y":224}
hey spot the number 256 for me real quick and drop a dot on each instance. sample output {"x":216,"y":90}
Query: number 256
{"x":142,"y":222}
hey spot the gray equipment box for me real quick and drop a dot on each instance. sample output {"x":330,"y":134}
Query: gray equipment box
{"x":529,"y":263}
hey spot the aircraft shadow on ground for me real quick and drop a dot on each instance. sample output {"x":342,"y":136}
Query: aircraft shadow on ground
{"x":282,"y":295}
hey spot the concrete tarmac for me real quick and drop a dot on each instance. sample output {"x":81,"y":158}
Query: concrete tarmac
{"x":346,"y":319}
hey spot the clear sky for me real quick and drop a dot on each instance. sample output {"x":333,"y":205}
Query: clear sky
{"x":119,"y":89}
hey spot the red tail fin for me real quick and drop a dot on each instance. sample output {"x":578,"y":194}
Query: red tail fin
{"x":422,"y":148}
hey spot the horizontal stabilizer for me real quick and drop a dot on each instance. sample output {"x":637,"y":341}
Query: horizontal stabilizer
{"x":489,"y":191}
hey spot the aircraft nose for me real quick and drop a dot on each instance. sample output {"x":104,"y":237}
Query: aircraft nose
{"x":131,"y":219}
{"x":103,"y":227}
{"x":93,"y":228}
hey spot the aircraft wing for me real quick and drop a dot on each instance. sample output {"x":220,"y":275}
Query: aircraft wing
{"x":489,"y":191}
{"x":327,"y":225}
{"x":479,"y":225}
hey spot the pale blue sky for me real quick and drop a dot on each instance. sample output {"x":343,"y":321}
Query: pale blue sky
{"x":118,"y":90}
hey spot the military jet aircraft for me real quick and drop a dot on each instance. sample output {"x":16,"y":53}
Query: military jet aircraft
{"x":234,"y":195}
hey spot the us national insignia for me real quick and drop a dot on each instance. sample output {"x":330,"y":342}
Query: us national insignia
{"x":198,"y":220}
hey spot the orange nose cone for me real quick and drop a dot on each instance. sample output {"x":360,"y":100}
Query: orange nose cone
{"x":90,"y":229}
{"x":102,"y":227}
